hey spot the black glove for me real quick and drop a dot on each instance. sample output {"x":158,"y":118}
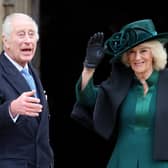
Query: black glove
{"x":95,"y":51}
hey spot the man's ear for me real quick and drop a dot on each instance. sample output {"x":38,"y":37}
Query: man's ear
{"x":5,"y":41}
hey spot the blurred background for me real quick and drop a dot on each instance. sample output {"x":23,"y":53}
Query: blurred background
{"x":65,"y":28}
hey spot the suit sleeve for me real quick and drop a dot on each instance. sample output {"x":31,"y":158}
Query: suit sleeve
{"x":5,"y":119}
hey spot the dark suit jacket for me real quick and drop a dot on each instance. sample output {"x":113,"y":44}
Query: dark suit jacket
{"x":26,"y":141}
{"x":103,"y":118}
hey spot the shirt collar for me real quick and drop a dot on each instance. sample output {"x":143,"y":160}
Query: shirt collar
{"x":19,"y":67}
{"x":152,"y":80}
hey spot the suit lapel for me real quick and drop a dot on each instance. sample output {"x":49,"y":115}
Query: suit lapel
{"x":13,"y":76}
{"x":42,"y":98}
{"x":38,"y":84}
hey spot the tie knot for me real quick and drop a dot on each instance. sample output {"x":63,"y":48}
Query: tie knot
{"x":29,"y":78}
{"x":25,"y":71}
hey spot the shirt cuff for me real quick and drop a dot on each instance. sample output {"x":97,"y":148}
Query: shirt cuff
{"x":13,"y":118}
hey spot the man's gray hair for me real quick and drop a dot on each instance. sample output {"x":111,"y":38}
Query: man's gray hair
{"x":7,"y":28}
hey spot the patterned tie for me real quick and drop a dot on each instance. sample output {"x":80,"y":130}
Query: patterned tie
{"x":29,"y":79}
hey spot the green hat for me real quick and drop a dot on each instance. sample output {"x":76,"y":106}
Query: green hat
{"x":131,"y":35}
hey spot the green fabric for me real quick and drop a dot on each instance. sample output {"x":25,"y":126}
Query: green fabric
{"x":131,"y":35}
{"x":87,"y":97}
{"x":134,"y":146}
{"x":143,"y":102}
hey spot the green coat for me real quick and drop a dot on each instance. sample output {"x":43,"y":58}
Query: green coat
{"x":103,"y":118}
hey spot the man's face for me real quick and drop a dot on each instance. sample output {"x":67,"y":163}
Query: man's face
{"x":22,"y":41}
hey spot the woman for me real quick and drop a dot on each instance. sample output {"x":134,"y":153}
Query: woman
{"x":131,"y":106}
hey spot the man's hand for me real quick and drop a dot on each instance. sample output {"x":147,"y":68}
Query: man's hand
{"x":26,"y":104}
{"x":95,"y":51}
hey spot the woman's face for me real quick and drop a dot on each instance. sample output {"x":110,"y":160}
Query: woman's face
{"x":140,"y":59}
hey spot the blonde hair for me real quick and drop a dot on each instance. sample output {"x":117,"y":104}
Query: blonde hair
{"x":159,"y":54}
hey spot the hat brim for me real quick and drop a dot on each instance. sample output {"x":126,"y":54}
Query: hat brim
{"x":162,"y":37}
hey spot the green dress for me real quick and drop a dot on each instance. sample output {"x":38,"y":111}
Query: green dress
{"x":134,"y":147}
